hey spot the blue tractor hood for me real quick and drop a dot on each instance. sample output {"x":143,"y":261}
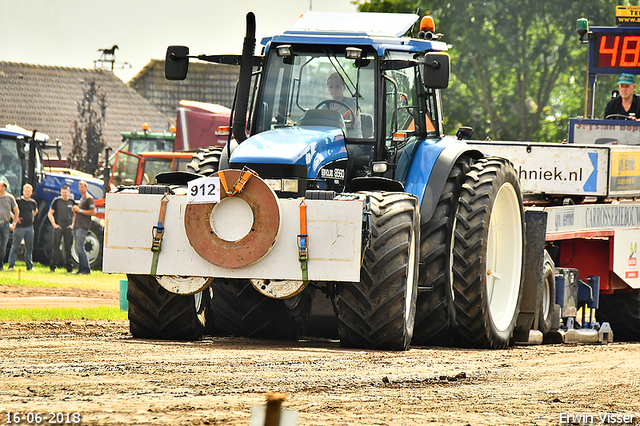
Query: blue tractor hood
{"x":310,"y":146}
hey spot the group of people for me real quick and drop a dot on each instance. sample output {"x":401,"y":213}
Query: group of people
{"x":70,"y":220}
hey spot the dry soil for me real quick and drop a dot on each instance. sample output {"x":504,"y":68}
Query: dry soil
{"x":96,"y":369}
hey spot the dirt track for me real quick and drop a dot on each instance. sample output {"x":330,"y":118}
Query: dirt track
{"x":12,"y":296}
{"x":98,"y":370}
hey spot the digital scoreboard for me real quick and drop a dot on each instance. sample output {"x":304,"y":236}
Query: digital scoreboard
{"x":615,"y":50}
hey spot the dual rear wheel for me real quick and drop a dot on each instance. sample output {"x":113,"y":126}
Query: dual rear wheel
{"x":472,"y":257}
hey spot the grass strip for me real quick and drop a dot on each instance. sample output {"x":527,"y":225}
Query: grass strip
{"x":40,"y":276}
{"x":59,"y":314}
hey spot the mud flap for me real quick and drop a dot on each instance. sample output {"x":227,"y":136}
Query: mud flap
{"x":536,"y":227}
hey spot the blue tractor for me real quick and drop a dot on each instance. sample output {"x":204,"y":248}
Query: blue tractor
{"x":338,"y":148}
{"x":21,"y":162}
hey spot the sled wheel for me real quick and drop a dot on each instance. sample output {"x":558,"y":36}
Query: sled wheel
{"x":488,"y":254}
{"x":379,"y":311}
{"x":435,"y":314}
{"x":155,"y":313}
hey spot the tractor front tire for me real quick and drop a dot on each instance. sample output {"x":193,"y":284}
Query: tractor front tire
{"x":488,"y":254}
{"x":379,"y":311}
{"x":155,"y":313}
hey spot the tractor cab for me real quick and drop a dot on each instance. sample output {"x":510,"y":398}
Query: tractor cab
{"x":344,"y":106}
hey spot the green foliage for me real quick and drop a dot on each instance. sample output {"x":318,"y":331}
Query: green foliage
{"x":518,"y":67}
{"x":86,"y":130}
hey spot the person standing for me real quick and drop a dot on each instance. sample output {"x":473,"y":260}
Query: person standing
{"x":627,"y":104}
{"x":23,"y":228}
{"x":84,"y":210}
{"x":61,"y":217}
{"x":8,"y":210}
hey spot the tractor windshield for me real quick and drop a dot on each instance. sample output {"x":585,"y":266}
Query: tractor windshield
{"x":136,"y":146}
{"x":10,"y":165}
{"x":319,"y":86}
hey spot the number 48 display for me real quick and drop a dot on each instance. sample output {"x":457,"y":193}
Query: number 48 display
{"x":204,"y":190}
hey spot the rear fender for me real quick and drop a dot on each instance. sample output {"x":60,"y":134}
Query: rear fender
{"x":430,"y":169}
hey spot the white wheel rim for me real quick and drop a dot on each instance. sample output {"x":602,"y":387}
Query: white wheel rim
{"x":94,"y":248}
{"x":183,"y":285}
{"x":546,"y":299}
{"x":411,"y":282}
{"x":504,"y":257}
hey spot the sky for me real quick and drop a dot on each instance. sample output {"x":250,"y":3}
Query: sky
{"x":70,"y":32}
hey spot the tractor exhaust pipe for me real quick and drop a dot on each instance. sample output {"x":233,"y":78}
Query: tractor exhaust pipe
{"x":244,"y":82}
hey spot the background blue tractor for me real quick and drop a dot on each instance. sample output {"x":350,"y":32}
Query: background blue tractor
{"x":22,"y":154}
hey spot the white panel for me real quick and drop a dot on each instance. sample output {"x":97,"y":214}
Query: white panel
{"x":334,"y":229}
{"x":625,"y":256}
{"x":548,"y":168}
{"x":593,"y":217}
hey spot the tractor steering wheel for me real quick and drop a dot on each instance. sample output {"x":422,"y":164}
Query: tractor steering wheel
{"x":619,"y":116}
{"x":348,"y":116}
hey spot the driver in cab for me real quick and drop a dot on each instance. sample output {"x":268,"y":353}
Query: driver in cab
{"x":336,"y":87}
{"x":626,"y":106}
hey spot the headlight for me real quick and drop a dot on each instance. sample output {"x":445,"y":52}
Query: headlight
{"x":275,"y":184}
{"x":290,"y":185}
{"x":284,"y":185}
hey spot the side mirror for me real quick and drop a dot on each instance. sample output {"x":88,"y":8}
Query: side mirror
{"x":464,"y":132}
{"x":436,"y":70}
{"x":20,"y":147}
{"x":176,"y":63}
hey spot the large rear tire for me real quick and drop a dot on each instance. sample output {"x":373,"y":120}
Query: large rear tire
{"x":488,"y":255}
{"x":622,"y":312}
{"x":155,"y":313}
{"x":379,"y":311}
{"x":240,"y":310}
{"x":435,"y":314}
{"x":205,"y":161}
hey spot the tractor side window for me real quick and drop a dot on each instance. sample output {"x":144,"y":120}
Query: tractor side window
{"x":406,"y":111}
{"x":152,"y":167}
{"x":402,"y":111}
{"x":125,"y":169}
{"x":180,"y":164}
{"x":10,"y":165}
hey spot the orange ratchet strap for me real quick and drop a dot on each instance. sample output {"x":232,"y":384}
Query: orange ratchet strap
{"x":158,"y":233}
{"x":240,"y":183}
{"x":303,"y":243}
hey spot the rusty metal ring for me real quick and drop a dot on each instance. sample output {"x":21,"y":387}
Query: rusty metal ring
{"x":258,"y":241}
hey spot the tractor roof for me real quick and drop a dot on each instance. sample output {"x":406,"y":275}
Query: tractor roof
{"x":148,"y":135}
{"x":14,"y":131}
{"x":382,"y":31}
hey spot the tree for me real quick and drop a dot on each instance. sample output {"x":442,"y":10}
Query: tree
{"x":86,"y":132}
{"x":518,"y":67}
